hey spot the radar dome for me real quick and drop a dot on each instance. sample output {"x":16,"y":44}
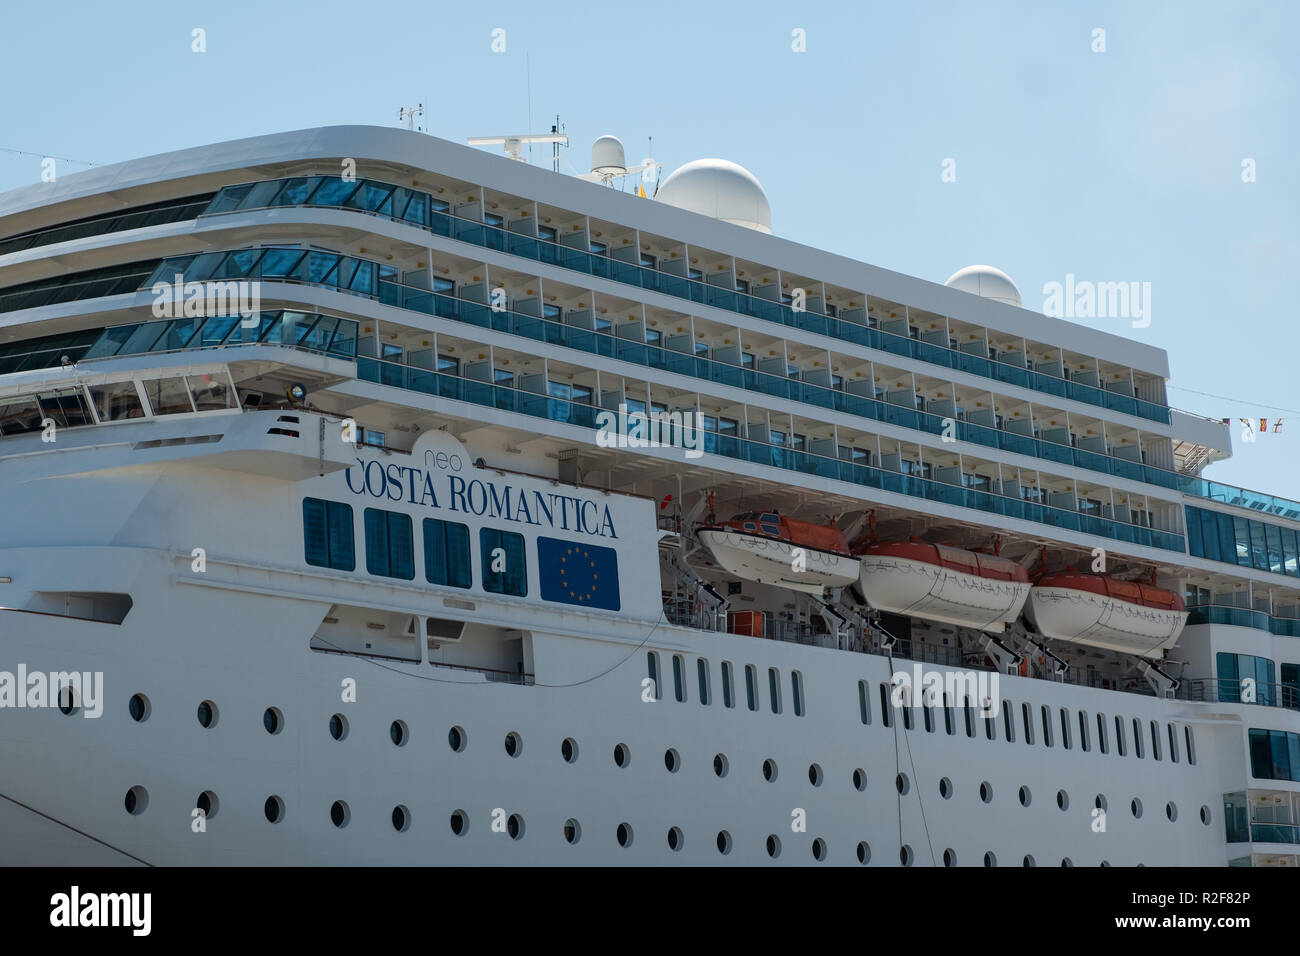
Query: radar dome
{"x":986,"y":282}
{"x":607,"y":156}
{"x":720,"y":189}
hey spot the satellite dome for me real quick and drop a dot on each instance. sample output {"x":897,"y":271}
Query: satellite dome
{"x":987,"y":282}
{"x":720,"y":189}
{"x":607,"y":156}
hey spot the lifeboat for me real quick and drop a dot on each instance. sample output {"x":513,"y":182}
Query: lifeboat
{"x":941,"y":583}
{"x":1131,"y":617}
{"x":770,"y":548}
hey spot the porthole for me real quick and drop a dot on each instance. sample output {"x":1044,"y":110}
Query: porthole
{"x":773,"y":845}
{"x":456,"y":739}
{"x":905,"y":855}
{"x":1025,"y":796}
{"x":398,"y":733}
{"x":515,"y":826}
{"x":672,"y":760}
{"x":1067,"y":862}
{"x":769,"y":769}
{"x":401,"y":818}
{"x":139,"y":707}
{"x":622,"y":755}
{"x":1171,"y":811}
{"x":1029,"y":860}
{"x":945,"y":788}
{"x":274,"y":809}
{"x":569,"y":750}
{"x":459,"y":822}
{"x":624,"y":834}
{"x":675,"y":838}
{"x":572,"y":831}
{"x":949,"y":857}
{"x":1062,"y":800}
{"x":724,"y":842}
{"x":340,"y":814}
{"x":1136,"y":808}
{"x":1104,"y":863}
{"x":720,"y":765}
{"x":815,"y":775}
{"x":986,"y":792}
{"x":273,"y":720}
{"x":207,"y":714}
{"x":819,"y":850}
{"x":864,"y":852}
{"x":1205,"y":815}
{"x":514,"y":744}
{"x":338,"y":727}
{"x":902,"y":784}
{"x":859,"y":780}
{"x":1101,"y":803}
{"x":990,"y":859}
{"x":67,"y":700}
{"x":137,"y":800}
{"x":207,"y":802}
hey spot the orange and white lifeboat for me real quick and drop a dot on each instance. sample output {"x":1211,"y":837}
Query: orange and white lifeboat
{"x":770,"y":548}
{"x":1131,"y":617}
{"x":941,"y":583}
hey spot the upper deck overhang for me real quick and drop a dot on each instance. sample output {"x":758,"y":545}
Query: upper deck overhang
{"x":103,"y":189}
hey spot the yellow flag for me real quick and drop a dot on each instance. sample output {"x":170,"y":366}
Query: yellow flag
{"x":640,"y":191}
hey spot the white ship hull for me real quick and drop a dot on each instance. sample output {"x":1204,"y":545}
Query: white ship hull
{"x":1085,"y":617}
{"x":926,"y":590}
{"x":771,"y":561}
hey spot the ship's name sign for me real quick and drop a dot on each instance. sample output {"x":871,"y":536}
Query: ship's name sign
{"x":500,"y":502}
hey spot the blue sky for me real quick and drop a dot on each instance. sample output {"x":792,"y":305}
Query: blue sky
{"x":1115,"y":166}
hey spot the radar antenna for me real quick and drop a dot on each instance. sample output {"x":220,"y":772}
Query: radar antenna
{"x":514,"y":145}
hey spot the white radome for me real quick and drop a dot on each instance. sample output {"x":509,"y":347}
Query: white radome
{"x":720,"y":189}
{"x":608,"y":156}
{"x":986,"y":282}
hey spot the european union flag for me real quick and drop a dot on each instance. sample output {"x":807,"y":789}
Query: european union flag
{"x":581,"y":574}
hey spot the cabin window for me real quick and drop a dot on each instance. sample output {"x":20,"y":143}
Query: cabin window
{"x":796,"y":692}
{"x":446,"y":553}
{"x":390,"y":546}
{"x":1173,"y":742}
{"x":1155,"y":741}
{"x":1065,"y":728}
{"x":774,"y":689}
{"x":1084,"y":742}
{"x":864,"y":703}
{"x":1008,"y":722}
{"x":886,"y":715}
{"x":1027,"y":718}
{"x":1121,"y":745}
{"x":728,"y":686}
{"x":327,"y":534}
{"x":948,"y":721}
{"x":751,"y":687}
{"x":1101,"y":734}
{"x":505,"y":570}
{"x":1191,"y":748}
{"x":969,"y":712}
{"x":927,"y":716}
{"x":652,"y":670}
{"x":702,"y":672}
{"x":679,"y":678}
{"x":1137,"y":738}
{"x":1047,"y":725}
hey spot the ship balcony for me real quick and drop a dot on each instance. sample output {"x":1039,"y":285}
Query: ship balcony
{"x":1260,"y":827}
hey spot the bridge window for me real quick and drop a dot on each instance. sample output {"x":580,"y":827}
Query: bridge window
{"x":504,"y":568}
{"x":446,"y":553}
{"x":327,"y":534}
{"x":390,"y":548}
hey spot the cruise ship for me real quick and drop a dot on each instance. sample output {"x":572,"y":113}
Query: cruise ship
{"x":375,"y":499}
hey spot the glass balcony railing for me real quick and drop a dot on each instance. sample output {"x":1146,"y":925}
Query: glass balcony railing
{"x":1274,"y":833}
{"x":1243,"y":617}
{"x":411,"y":206}
{"x":584,"y":416}
{"x":366,"y":278}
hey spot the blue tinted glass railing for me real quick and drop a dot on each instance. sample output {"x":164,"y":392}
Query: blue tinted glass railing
{"x":328,"y":191}
{"x":1243,"y":617}
{"x":544,"y":406}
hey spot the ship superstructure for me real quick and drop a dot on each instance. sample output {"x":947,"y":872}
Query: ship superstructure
{"x":418,"y":505}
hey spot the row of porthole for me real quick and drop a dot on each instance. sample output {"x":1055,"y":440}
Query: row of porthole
{"x":904,"y":785}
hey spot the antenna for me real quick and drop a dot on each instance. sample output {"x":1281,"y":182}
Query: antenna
{"x":514,"y":145}
{"x":409,"y":113}
{"x":608,"y":162}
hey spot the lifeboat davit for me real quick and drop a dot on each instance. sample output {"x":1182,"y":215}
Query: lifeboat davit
{"x":941,"y":583}
{"x":770,"y":548}
{"x":1131,"y":617}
